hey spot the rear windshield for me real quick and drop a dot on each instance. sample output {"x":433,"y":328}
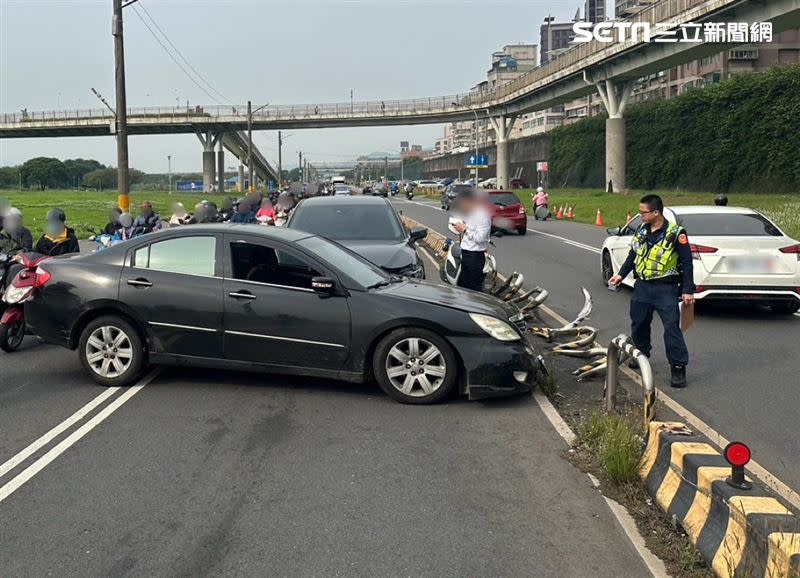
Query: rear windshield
{"x":728,"y":224}
{"x":504,"y":199}
{"x":349,"y":222}
{"x":462,"y":188}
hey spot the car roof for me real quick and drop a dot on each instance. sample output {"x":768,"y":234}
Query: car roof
{"x":692,"y":209}
{"x":279,"y":233}
{"x":338,"y":201}
{"x":500,"y":191}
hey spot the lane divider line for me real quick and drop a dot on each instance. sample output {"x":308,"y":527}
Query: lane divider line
{"x":759,"y":471}
{"x":25,"y":475}
{"x":11,"y":463}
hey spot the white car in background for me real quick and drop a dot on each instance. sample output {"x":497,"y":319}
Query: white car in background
{"x":429,"y":184}
{"x":738,"y":254}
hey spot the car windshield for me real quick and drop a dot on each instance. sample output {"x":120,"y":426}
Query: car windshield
{"x":359,"y":270}
{"x":461,"y":188}
{"x":349,"y":222}
{"x":728,"y":225}
{"x":504,"y":199}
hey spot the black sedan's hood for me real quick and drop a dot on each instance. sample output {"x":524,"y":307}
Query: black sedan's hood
{"x":453,"y":297}
{"x":389,"y":255}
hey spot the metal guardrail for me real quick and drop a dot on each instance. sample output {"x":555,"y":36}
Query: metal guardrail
{"x":620,"y":349}
{"x":571,"y":61}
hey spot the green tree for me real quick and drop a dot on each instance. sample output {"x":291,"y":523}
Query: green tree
{"x":106,"y":178}
{"x":77,"y":168}
{"x":44,"y":172}
{"x":9,"y":177}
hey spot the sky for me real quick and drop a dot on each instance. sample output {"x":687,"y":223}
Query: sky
{"x":52,"y":52}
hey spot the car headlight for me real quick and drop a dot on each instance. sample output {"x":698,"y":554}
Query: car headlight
{"x":498,"y":329}
{"x":415,"y":270}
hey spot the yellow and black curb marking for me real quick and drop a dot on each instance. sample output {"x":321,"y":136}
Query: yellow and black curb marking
{"x":738,"y":532}
{"x":434,"y":241}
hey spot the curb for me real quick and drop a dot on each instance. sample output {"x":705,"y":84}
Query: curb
{"x":739,"y":533}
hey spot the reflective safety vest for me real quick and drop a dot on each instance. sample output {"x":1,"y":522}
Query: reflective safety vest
{"x":659,"y":260}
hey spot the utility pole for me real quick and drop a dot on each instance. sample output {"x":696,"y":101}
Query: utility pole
{"x":123,"y":184}
{"x":280,"y":169}
{"x":300,"y":165}
{"x":402,"y":178}
{"x":386,"y":168}
{"x":169,"y":171}
{"x":250,"y":143}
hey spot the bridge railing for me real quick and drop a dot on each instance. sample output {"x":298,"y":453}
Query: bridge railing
{"x":572,"y":59}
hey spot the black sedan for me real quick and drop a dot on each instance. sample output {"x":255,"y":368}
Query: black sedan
{"x":277,"y":300}
{"x":367,"y":225}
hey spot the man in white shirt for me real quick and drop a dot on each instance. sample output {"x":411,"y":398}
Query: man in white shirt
{"x":475,"y":230}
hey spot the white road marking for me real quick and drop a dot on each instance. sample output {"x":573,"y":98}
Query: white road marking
{"x":654,"y":564}
{"x":25,"y":475}
{"x":714,"y":436}
{"x":56,"y":431}
{"x":551,"y":413}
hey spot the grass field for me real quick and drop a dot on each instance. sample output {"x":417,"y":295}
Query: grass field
{"x":783,"y":209}
{"x":90,"y":209}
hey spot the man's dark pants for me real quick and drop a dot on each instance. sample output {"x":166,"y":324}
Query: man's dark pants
{"x":471,"y":276}
{"x":661,"y":297}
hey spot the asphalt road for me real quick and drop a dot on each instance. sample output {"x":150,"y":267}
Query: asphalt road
{"x":216,"y":473}
{"x":743,"y":367}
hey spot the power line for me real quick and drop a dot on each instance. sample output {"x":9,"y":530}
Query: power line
{"x":189,"y":76}
{"x":189,"y":64}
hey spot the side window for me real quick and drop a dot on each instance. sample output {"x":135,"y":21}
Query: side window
{"x":262,"y":264}
{"x":633,"y":226}
{"x":188,"y":255}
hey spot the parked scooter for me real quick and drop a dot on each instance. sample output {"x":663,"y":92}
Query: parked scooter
{"x":451,"y":268}
{"x":16,"y":294}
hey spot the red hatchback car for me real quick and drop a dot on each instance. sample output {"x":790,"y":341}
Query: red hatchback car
{"x":508,"y":212}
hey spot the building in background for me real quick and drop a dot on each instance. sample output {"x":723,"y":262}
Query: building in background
{"x":594,"y":11}
{"x":554,"y":37}
{"x":627,"y":8}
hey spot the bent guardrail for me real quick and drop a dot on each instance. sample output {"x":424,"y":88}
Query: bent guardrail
{"x":620,"y":349}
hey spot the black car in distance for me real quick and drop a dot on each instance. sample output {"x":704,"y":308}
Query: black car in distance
{"x":277,"y":300}
{"x":367,"y":225}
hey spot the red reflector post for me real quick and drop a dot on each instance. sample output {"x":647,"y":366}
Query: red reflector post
{"x":737,"y":455}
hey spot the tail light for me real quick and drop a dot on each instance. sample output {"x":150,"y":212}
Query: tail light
{"x":791,"y":250}
{"x":41,"y":278}
{"x":698,"y":250}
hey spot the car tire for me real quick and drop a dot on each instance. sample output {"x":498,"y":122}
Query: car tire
{"x":606,"y":268}
{"x":415,"y":382}
{"x":522,"y":231}
{"x":11,"y":335}
{"x":111,"y":351}
{"x":785,"y":307}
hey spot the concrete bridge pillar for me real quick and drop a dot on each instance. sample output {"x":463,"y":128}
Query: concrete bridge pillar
{"x":615,"y":95}
{"x":220,"y":167}
{"x":241,"y":177}
{"x":209,"y":141}
{"x":502,"y":128}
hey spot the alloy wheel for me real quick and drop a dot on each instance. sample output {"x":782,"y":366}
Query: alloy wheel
{"x":108,"y":351}
{"x":416,"y":367}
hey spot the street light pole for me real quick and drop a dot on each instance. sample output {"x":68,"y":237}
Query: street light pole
{"x":169,"y":171}
{"x":250,"y":143}
{"x":475,"y":112}
{"x":280,"y":169}
{"x":121,"y":128}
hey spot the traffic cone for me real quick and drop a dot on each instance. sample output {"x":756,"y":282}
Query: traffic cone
{"x":628,"y":216}
{"x":570,"y":213}
{"x":560,"y":214}
{"x":599,"y":220}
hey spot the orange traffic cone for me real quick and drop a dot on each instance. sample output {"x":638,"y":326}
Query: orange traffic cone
{"x":560,"y":214}
{"x":570,"y":213}
{"x":628,"y":216}
{"x":599,"y":220}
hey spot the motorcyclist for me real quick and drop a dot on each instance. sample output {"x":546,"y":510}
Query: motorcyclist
{"x":112,"y":227}
{"x":266,"y":213}
{"x":58,"y":239}
{"x":148,"y":220}
{"x":285,"y":205}
{"x":208,"y":213}
{"x":179,"y":215}
{"x":721,"y":200}
{"x":226,"y":211}
{"x":14,"y":237}
{"x":541,"y":198}
{"x":244,"y":213}
{"x":126,"y":228}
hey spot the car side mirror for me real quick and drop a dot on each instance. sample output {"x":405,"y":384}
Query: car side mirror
{"x":417,"y":234}
{"x":324,"y":285}
{"x":614,"y":231}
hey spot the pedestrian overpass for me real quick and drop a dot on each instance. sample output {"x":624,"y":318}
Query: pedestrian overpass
{"x":607,"y":68}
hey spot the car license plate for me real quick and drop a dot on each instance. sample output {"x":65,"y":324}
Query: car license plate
{"x":754,"y":265}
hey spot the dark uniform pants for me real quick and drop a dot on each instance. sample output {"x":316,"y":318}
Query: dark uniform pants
{"x":471,"y":276}
{"x":649,"y":296}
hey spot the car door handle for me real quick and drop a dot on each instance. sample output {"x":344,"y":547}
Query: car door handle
{"x":140,"y":282}
{"x":242,"y":295}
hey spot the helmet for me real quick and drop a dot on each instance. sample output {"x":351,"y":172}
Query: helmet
{"x":227,"y":203}
{"x":721,"y":200}
{"x":125,"y":220}
{"x":539,"y":190}
{"x":56,"y":215}
{"x":14,"y":212}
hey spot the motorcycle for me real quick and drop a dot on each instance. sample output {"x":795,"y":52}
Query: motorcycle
{"x":409,"y":192}
{"x":450,"y":270}
{"x":16,"y":294}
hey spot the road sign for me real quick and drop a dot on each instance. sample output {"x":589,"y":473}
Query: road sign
{"x":479,"y":161}
{"x":189,"y":186}
{"x":542,"y":167}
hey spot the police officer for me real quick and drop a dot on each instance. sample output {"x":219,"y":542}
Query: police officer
{"x":475,"y":228}
{"x":661,"y":260}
